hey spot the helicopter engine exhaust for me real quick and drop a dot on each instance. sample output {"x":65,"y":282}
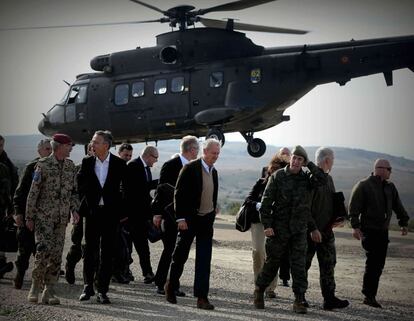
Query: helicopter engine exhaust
{"x":169,"y":55}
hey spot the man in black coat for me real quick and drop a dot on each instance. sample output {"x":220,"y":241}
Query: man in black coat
{"x":100,"y":181}
{"x":195,"y":202}
{"x":139,"y":200}
{"x":162,"y":207}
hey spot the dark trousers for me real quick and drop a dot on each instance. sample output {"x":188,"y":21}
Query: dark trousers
{"x":276,"y":247}
{"x":100,"y":229}
{"x":375,"y":244}
{"x":201,"y":228}
{"x":139,"y":234}
{"x":75,"y":252}
{"x":326,"y":254}
{"x":25,"y":248}
{"x":122,"y":257}
{"x":168,"y":240}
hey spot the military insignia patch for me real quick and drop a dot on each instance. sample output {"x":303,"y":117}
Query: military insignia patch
{"x":37,"y":176}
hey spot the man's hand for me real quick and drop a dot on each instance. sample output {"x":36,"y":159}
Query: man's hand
{"x":30,"y":224}
{"x":404,"y":230}
{"x":157,"y":220}
{"x":75,"y":217}
{"x":18,"y":218}
{"x":182,"y":225}
{"x":356,"y":232}
{"x":269,"y":232}
{"x":316,"y":236}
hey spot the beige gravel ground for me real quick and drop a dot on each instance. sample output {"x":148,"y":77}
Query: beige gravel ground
{"x":231,"y":288}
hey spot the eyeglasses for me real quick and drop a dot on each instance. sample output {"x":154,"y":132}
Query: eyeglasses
{"x":387,"y":168}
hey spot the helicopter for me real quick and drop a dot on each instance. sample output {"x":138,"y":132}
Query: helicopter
{"x":211,"y":81}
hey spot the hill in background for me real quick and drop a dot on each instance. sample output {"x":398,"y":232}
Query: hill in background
{"x":238,"y":171}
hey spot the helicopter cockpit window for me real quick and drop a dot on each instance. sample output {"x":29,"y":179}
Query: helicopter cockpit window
{"x":160,"y":86}
{"x":138,"y":89}
{"x":255,"y":75}
{"x":78,"y":94}
{"x":121,"y":94}
{"x":216,"y":79}
{"x":177,"y":84}
{"x":64,"y":98}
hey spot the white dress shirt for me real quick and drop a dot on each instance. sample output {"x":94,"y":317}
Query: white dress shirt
{"x":101,"y":171}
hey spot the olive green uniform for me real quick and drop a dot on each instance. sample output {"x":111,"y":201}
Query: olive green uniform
{"x":286,"y":208}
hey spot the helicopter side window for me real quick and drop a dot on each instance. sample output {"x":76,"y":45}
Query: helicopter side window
{"x":138,"y":89}
{"x":78,"y":94}
{"x":121,"y":94}
{"x":216,"y":79}
{"x":160,"y":86}
{"x":255,"y":75}
{"x":177,"y":84}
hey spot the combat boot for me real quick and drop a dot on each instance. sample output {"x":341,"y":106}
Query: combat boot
{"x":299,"y":303}
{"x":34,"y":292}
{"x":48,"y":296}
{"x":258,"y":298}
{"x":333,"y":302}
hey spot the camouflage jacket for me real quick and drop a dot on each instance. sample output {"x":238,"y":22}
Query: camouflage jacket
{"x":322,"y":206}
{"x":372,"y":202}
{"x":286,"y":200}
{"x":53,"y":193}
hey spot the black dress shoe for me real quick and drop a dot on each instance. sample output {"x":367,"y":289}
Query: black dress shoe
{"x":179,"y":293}
{"x":102,"y":298}
{"x":203,"y":303}
{"x":149,"y":278}
{"x":87,"y":293}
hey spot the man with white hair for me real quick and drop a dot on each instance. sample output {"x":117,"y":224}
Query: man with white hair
{"x":195,"y":203}
{"x":372,"y":202}
{"x":321,"y":239}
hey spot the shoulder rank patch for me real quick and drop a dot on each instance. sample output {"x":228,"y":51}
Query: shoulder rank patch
{"x":37,"y":175}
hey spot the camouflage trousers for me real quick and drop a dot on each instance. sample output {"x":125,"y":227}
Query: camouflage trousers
{"x":276,"y":247}
{"x":76,"y":250}
{"x":50,"y":238}
{"x":25,"y":248}
{"x":326,"y":254}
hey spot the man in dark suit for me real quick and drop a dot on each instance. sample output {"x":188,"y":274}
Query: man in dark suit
{"x":168,"y":177}
{"x":195,"y":202}
{"x":139,"y":200}
{"x":100,"y":181}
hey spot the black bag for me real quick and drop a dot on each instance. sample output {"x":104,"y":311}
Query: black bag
{"x":154,"y":233}
{"x":8,"y":235}
{"x":339,"y":209}
{"x":244,"y":218}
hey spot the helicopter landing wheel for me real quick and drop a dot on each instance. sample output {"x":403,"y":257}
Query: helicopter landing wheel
{"x":216,"y":134}
{"x":256,"y":147}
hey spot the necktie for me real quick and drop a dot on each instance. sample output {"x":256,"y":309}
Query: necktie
{"x":149,"y":175}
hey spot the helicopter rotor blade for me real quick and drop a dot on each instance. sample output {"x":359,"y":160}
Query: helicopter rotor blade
{"x":233,"y":6}
{"x":149,"y":6}
{"x":87,"y":25}
{"x":213,"y":23}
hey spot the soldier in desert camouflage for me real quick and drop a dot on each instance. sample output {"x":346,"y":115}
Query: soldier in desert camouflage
{"x":53,"y":195}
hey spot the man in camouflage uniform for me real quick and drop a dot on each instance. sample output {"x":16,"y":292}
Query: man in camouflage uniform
{"x":52,"y":196}
{"x":25,"y":238}
{"x":285,"y":213}
{"x":321,"y":239}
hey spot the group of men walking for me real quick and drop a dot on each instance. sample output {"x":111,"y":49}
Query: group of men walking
{"x":107,"y":195}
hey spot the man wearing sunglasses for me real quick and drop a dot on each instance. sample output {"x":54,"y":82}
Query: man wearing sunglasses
{"x":371,"y":204}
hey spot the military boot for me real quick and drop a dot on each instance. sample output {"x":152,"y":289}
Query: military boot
{"x":332,"y":302}
{"x":34,"y":291}
{"x":299,"y":305}
{"x":258,"y":298}
{"x":48,"y":296}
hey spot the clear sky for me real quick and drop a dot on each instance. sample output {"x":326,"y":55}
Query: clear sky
{"x":363,"y":114}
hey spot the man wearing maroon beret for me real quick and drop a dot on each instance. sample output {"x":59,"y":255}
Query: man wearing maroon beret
{"x":52,"y":196}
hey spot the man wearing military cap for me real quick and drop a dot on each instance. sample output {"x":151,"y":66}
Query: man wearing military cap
{"x":284,"y":213}
{"x":52,"y":197}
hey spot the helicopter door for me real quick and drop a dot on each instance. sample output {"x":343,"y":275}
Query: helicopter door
{"x":75,"y":105}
